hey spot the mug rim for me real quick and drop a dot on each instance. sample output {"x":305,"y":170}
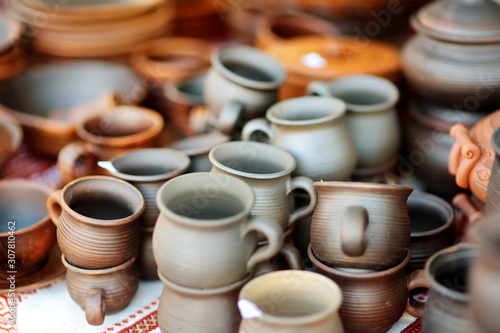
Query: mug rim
{"x":315,"y":317}
{"x":205,"y":223}
{"x":286,"y":171}
{"x":34,"y":186}
{"x":204,"y":291}
{"x":435,"y":201}
{"x":216,"y":136}
{"x":364,"y":185}
{"x":335,"y":105}
{"x":88,"y":271}
{"x":278,"y":75}
{"x":180,"y":157}
{"x":99,"y":222}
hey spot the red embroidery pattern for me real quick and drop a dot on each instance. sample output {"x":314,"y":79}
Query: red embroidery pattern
{"x":5,"y":316}
{"x":416,"y":327}
{"x":144,"y":325}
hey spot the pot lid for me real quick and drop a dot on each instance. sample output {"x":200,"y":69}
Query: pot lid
{"x":465,"y":21}
{"x":324,"y":58}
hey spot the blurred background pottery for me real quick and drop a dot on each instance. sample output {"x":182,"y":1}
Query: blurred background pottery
{"x":493,"y":193}
{"x":11,"y":137}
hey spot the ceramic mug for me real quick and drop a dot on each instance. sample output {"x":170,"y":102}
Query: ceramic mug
{"x":211,"y":310}
{"x":108,"y":134}
{"x":205,"y":236}
{"x":267,"y":170}
{"x":372,"y":300}
{"x":11,"y":137}
{"x":361,"y":225}
{"x":287,"y":258}
{"x":147,"y":170}
{"x":371,"y":116}
{"x":431,"y":220}
{"x":290,"y":301}
{"x":241,"y":84}
{"x":26,"y":233}
{"x":446,"y":274}
{"x":102,"y":291}
{"x":97,"y":219}
{"x":313,"y":131}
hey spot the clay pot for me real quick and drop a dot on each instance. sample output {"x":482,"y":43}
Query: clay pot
{"x":447,"y":308}
{"x":30,"y":231}
{"x":241,"y":84}
{"x":210,"y":310}
{"x":267,"y":170}
{"x":485,"y":277}
{"x":316,"y":58}
{"x":432,"y":229}
{"x":109,"y":134}
{"x":11,"y":137}
{"x":205,"y":236}
{"x":48,"y":100}
{"x":97,"y":221}
{"x":472,"y":155}
{"x":493,"y":193}
{"x":311,"y":129}
{"x":428,"y":143}
{"x":199,"y":19}
{"x":455,"y":57}
{"x":371,"y":117}
{"x":361,"y":225}
{"x":198,"y":147}
{"x":273,"y":29}
{"x":308,"y":302}
{"x":372,"y":300}
{"x":101,"y":292}
{"x":145,"y":259}
{"x":147,"y":170}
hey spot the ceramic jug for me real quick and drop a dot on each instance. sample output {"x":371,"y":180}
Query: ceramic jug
{"x":361,"y":225}
{"x":371,"y":117}
{"x":312,"y":129}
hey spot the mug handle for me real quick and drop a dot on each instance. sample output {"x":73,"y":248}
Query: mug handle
{"x":53,"y":204}
{"x":354,"y":222}
{"x":292,"y":256}
{"x":318,"y":88}
{"x":463,"y":147}
{"x":256,"y":125}
{"x":95,"y":307}
{"x":307,"y":184}
{"x":229,"y":116}
{"x":274,"y":234}
{"x":69,"y":156}
{"x":415,"y":280}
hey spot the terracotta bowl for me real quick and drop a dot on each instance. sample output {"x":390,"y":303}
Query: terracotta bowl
{"x":34,"y":235}
{"x":49,"y":100}
{"x":11,"y":136}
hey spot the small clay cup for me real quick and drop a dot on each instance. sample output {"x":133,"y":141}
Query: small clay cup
{"x":290,"y":301}
{"x":431,"y":220}
{"x":11,"y":137}
{"x":147,"y":170}
{"x":109,"y":134}
{"x":372,"y":300}
{"x":267,"y":169}
{"x":97,"y":219}
{"x":25,"y":225}
{"x":102,"y":291}
{"x":211,"y":310}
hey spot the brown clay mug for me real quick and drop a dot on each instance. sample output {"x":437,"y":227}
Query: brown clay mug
{"x":288,"y":257}
{"x":210,"y":310}
{"x":267,"y":169}
{"x":431,"y":220}
{"x":102,"y":291}
{"x":26,"y":233}
{"x":372,"y":300}
{"x":11,"y":137}
{"x":361,"y":225}
{"x":290,"y":301}
{"x":205,"y":236}
{"x":147,"y":170}
{"x":108,"y":134}
{"x":97,"y":221}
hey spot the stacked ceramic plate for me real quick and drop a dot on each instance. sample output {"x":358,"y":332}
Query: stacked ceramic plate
{"x":12,"y":60}
{"x":92,"y":28}
{"x":199,"y":18}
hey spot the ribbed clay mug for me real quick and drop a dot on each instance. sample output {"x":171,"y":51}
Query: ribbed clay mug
{"x":312,"y":129}
{"x":361,"y":225}
{"x":267,"y":170}
{"x":205,"y":236}
{"x":97,"y":219}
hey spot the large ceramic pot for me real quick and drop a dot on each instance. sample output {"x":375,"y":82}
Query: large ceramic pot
{"x":428,"y":143}
{"x":455,"y":57}
{"x":472,"y":155}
